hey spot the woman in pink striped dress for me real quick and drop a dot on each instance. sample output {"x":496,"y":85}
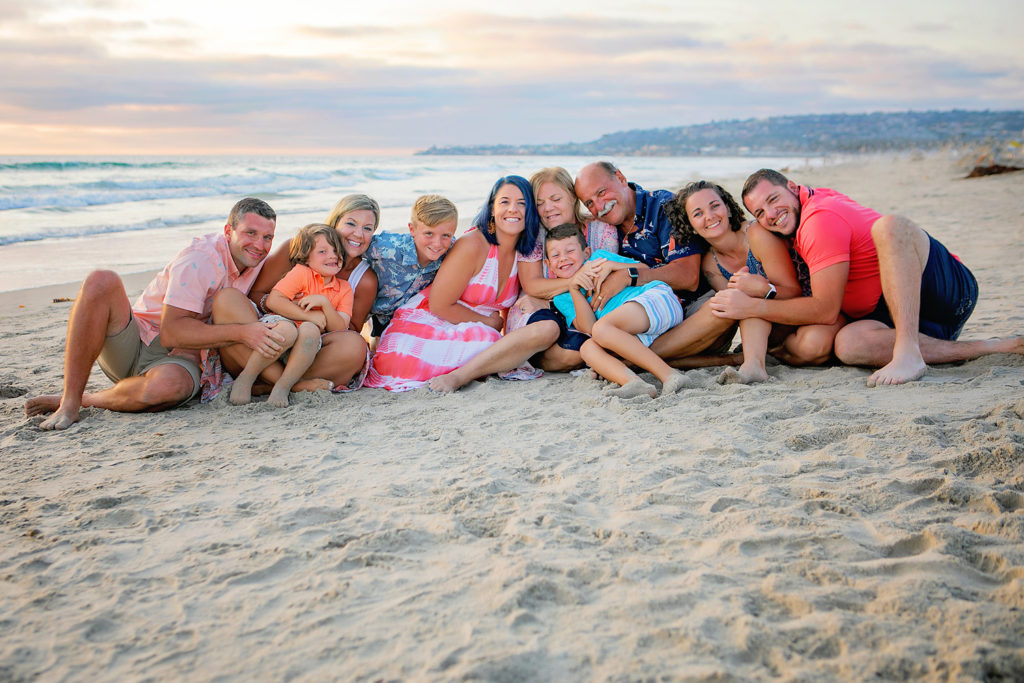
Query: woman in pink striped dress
{"x":450,"y":333}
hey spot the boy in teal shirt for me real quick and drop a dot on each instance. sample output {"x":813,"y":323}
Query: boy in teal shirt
{"x":625,"y":325}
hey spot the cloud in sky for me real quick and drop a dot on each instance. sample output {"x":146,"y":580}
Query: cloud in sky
{"x":109,"y":76}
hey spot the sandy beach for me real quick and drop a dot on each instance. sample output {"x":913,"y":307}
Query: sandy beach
{"x":805,"y":529}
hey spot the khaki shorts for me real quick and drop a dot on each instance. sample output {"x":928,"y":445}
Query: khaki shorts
{"x":124,"y":355}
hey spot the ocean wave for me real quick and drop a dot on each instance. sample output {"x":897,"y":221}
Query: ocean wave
{"x":125,"y":189}
{"x":80,"y":165}
{"x":90,"y":230}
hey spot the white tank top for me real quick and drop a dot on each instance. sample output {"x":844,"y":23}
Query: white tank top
{"x":357,"y":274}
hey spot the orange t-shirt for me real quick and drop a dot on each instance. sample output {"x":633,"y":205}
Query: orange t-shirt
{"x":302,"y":281}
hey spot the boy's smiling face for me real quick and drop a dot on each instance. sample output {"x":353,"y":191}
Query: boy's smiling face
{"x":565,"y":256}
{"x":323,"y":258}
{"x":432,"y":241}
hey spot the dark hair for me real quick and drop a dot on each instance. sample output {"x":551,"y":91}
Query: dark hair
{"x":250,"y":205}
{"x":531,"y":219}
{"x":564,"y":231}
{"x":675,"y":209}
{"x":771,"y":175}
{"x":302,"y":243}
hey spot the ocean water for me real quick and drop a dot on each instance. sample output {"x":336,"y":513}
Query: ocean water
{"x":61,"y":218}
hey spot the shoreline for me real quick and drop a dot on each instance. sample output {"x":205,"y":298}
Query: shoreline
{"x":806,"y":528}
{"x":37,"y":298}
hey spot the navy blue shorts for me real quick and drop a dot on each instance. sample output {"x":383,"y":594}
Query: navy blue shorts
{"x":949,"y":293}
{"x":567,"y":339}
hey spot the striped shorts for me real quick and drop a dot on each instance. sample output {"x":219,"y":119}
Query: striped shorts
{"x":663,"y":310}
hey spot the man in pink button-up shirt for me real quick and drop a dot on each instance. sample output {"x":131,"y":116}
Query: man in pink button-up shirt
{"x":150,"y":350}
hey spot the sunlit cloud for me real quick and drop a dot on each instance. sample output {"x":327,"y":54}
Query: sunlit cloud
{"x":457,"y":77}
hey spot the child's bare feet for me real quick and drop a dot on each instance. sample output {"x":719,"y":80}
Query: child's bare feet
{"x":634,"y":388}
{"x":675,"y":382}
{"x":278,"y":397}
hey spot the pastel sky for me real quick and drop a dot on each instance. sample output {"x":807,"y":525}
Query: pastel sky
{"x":220,"y":76}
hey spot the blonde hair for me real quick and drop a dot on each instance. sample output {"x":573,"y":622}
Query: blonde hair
{"x":354,"y":202}
{"x":303,"y":242}
{"x":433,"y":209}
{"x":559,"y":176}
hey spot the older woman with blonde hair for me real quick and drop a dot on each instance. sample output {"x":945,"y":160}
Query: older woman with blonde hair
{"x":556,"y":205}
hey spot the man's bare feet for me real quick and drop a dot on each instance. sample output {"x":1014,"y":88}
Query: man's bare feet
{"x":899,"y":371}
{"x":744,"y":375}
{"x":62,"y":419}
{"x":633,"y":388}
{"x":40,"y":405}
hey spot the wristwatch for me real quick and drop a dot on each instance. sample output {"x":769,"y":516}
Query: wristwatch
{"x":771,"y":291}
{"x":634,"y":275}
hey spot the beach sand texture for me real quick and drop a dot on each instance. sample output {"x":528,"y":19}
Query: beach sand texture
{"x":806,"y":529}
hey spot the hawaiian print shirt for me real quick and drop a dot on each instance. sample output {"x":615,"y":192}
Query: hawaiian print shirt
{"x":399,"y":274}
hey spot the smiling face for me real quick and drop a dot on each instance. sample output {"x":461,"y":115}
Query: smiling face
{"x":355,"y":229}
{"x":323,"y":258}
{"x":606,"y":196}
{"x":432,"y":241}
{"x":565,"y":256}
{"x":250,"y":240}
{"x":708,"y":214}
{"x":555,"y":205}
{"x":509,"y":210}
{"x":775,"y":207}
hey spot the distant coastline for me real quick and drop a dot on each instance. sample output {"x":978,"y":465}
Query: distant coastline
{"x":812,"y":134}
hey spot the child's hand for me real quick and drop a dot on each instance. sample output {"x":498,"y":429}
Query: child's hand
{"x":319,"y":318}
{"x":312,"y":301}
{"x":583,"y":279}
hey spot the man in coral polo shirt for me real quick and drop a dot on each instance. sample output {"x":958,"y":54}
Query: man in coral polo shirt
{"x":150,"y":350}
{"x":907,"y":297}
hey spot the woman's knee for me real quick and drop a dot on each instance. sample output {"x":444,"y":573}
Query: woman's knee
{"x":544,"y":332}
{"x":810,"y":346}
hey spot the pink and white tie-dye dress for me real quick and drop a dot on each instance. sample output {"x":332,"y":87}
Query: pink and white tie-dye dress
{"x":418,"y":345}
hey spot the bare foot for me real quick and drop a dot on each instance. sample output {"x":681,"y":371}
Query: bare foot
{"x":40,"y":405}
{"x":278,"y":399}
{"x":241,"y":391}
{"x":62,"y":419}
{"x":743,"y":376}
{"x":675,"y":382}
{"x":634,"y":388}
{"x":445,"y":384}
{"x":315,"y":384}
{"x":898,"y":371}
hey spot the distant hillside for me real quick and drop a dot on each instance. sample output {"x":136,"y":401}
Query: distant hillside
{"x":779,"y":135}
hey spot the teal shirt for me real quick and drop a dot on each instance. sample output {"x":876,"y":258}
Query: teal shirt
{"x":563,"y":302}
